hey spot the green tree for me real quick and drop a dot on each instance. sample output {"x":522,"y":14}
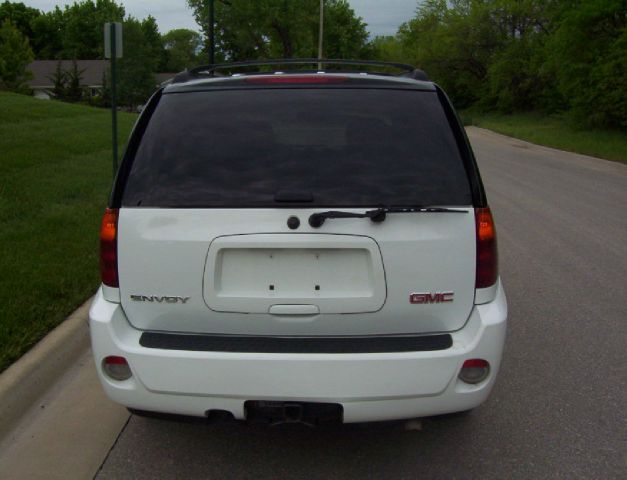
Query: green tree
{"x":137,"y":66}
{"x":550,"y":55}
{"x":388,"y":48}
{"x":345,"y":34}
{"x":485,"y":52}
{"x":83,"y":27}
{"x":67,"y":83}
{"x":48,"y":35}
{"x":59,"y":81}
{"x":20,"y":16}
{"x":74,"y":90}
{"x":15,"y":55}
{"x":182,"y":47}
{"x":588,"y":54}
{"x":453,"y":43}
{"x":517,"y":79}
{"x":154,"y":39}
{"x":248,"y":29}
{"x":74,"y":31}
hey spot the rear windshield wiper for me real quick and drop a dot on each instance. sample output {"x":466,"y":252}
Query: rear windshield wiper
{"x":377,"y":215}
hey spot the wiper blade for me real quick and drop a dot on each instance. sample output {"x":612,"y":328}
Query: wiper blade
{"x":316,"y":220}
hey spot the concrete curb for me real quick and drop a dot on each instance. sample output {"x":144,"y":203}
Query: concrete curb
{"x":24,"y":382}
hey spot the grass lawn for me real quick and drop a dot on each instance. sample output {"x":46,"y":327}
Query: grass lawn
{"x":554,"y":131}
{"x":55,"y":176}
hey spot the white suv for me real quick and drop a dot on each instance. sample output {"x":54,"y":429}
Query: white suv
{"x":298,"y":246}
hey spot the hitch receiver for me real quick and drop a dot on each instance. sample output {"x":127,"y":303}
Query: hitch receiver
{"x":309,"y":413}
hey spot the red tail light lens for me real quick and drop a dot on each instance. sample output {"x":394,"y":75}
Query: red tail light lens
{"x":109,"y":248}
{"x":295,"y":79}
{"x":487,"y":255}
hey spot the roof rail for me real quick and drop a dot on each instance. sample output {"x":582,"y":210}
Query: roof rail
{"x":211,"y":70}
{"x":417,"y":74}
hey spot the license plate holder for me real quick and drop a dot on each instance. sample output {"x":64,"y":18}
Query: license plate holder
{"x":278,"y":412}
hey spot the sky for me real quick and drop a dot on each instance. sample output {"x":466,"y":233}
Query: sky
{"x":382,"y":16}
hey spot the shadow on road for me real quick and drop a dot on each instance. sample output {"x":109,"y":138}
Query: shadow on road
{"x":238,"y":450}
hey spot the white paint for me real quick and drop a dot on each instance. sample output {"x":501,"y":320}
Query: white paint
{"x":166,"y":252}
{"x":370,"y":387}
{"x":250,"y":273}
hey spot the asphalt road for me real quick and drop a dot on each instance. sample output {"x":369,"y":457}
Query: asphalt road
{"x":558,"y":409}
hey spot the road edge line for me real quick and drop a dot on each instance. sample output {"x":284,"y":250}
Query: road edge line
{"x":24,"y":382}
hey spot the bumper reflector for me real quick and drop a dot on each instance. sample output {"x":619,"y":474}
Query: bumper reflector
{"x":474,"y":371}
{"x":116,"y":368}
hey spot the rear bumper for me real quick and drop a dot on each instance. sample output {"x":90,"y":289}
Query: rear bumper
{"x":369,"y":386}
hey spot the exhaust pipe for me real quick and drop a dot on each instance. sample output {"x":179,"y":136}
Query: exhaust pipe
{"x":219,"y":416}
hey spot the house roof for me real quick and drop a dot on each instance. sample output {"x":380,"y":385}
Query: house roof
{"x":43,"y":70}
{"x":92,"y":72}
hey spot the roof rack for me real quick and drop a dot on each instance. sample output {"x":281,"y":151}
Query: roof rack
{"x":210,"y":70}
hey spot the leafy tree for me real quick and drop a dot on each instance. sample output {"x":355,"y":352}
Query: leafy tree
{"x":248,"y":29}
{"x":514,"y":80}
{"x":82,"y":27}
{"x":512,"y":55}
{"x":154,"y":39}
{"x":237,"y":36}
{"x":137,"y":66}
{"x":345,"y":34}
{"x":453,"y":44}
{"x":588,"y":54}
{"x":15,"y":55}
{"x":182,"y":47}
{"x":19,"y":15}
{"x":387,"y":48}
{"x":47,"y":40}
{"x":516,"y":77}
{"x":72,"y":32}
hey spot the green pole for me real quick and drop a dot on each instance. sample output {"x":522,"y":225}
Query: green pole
{"x":114,"y":107}
{"x":320,"y":33}
{"x":212,"y":48}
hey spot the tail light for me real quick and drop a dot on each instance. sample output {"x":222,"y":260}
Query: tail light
{"x":109,"y":248}
{"x":487,"y":255}
{"x":295,"y":79}
{"x":117,"y":368}
{"x":474,"y":371}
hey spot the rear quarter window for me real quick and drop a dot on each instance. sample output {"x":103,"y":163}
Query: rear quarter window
{"x":345,"y":147}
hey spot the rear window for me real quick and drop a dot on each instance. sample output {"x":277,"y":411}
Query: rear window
{"x":337,"y":147}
